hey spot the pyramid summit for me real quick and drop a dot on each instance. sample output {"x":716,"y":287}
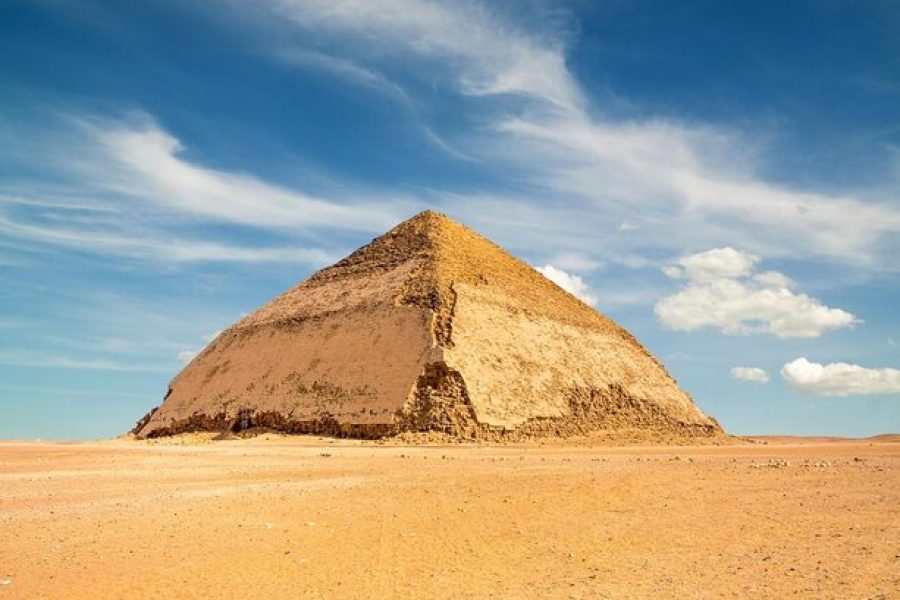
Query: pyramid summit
{"x":430,"y":327}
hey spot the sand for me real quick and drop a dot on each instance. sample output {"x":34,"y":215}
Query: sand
{"x":302,"y":517}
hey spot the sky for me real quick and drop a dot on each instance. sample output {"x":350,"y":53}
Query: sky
{"x":722,"y":178}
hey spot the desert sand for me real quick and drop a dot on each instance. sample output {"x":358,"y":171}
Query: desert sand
{"x":308,"y":517}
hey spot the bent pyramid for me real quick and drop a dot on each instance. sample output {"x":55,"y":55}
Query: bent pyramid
{"x":430,"y":327}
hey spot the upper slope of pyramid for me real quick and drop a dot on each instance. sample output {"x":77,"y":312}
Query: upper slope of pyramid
{"x":438,"y":252}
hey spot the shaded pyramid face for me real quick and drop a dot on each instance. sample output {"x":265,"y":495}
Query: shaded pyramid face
{"x":430,"y":327}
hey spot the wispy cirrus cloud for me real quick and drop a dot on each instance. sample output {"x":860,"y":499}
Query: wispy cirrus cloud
{"x":120,"y":187}
{"x":672,"y":178}
{"x":123,"y":244}
{"x":683,"y":184}
{"x":573,"y":174}
{"x":138,"y":159}
{"x":345,"y":69}
{"x":117,"y":332}
{"x":485,"y":54}
{"x":20,"y":357}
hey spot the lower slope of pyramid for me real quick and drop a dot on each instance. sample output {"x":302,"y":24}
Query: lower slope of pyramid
{"x":429,"y":328}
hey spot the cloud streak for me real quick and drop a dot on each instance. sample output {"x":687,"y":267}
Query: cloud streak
{"x":121,"y":187}
{"x":486,"y":54}
{"x":158,"y":249}
{"x":31,"y":359}
{"x":138,"y":159}
{"x":576,"y":174}
{"x":664,"y":176}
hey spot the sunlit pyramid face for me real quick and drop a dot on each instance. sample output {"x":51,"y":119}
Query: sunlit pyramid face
{"x":430,"y":327}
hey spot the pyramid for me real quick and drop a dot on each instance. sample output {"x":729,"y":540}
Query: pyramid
{"x":430,"y":327}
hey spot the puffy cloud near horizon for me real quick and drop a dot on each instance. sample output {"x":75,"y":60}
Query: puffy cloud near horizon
{"x":573,"y":284}
{"x":723,"y":292}
{"x":839,"y":379}
{"x":753,"y":374}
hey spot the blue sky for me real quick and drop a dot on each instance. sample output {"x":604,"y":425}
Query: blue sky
{"x":722,"y":178}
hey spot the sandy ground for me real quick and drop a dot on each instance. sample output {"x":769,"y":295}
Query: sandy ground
{"x":312,"y":517}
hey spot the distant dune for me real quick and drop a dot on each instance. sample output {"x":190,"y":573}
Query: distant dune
{"x":801,"y":439}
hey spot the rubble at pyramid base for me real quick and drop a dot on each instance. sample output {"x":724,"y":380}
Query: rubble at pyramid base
{"x":610,"y":413}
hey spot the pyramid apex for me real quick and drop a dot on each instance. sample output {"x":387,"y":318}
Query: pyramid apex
{"x":429,"y":213}
{"x":428,"y":217}
{"x":429,"y":225}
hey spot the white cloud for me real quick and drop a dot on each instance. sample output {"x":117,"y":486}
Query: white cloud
{"x":754,"y":374}
{"x":773,"y":279}
{"x":573,"y":284}
{"x":677,"y":182}
{"x":721,"y":292}
{"x":682,"y":183}
{"x":486,"y":54}
{"x":138,"y":159}
{"x":168,"y":250}
{"x":41,"y":360}
{"x":122,"y":188}
{"x":345,"y":69}
{"x":719,"y":263}
{"x":673,"y":271}
{"x":839,"y":379}
{"x":187,"y":356}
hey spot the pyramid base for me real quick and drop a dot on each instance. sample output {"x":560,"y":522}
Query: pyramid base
{"x":440,"y":405}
